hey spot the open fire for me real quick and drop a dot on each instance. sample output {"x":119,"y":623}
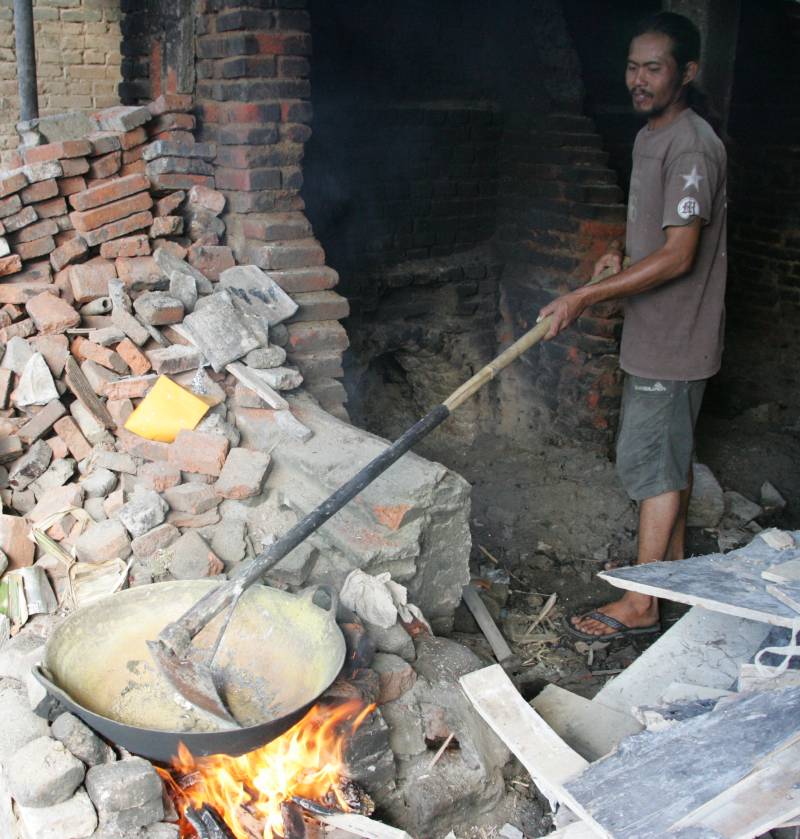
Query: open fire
{"x":246,"y":792}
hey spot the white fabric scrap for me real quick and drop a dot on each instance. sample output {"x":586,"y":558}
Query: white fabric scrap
{"x":370,"y":598}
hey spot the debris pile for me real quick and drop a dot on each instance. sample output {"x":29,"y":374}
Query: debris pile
{"x":126,"y":328}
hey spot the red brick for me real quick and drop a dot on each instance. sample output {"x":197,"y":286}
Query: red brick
{"x":130,"y":388}
{"x":132,"y":155}
{"x":39,"y":191}
{"x":23,"y":218}
{"x":10,"y":265}
{"x":51,"y":208}
{"x":138,"y":167}
{"x":10,"y":206}
{"x":54,"y":349}
{"x":20,"y":329}
{"x":139,"y":271}
{"x":171,"y":122}
{"x":51,"y":314}
{"x":132,"y":138}
{"x":173,"y":137}
{"x":166,"y":226}
{"x":116,"y":189}
{"x":12,"y":183}
{"x":127,"y":247}
{"x":87,"y":220}
{"x":38,"y":247}
{"x":199,"y":452}
{"x":312,"y":337}
{"x":211,"y":199}
{"x":170,"y":103}
{"x":89,"y":280}
{"x":69,"y":186}
{"x":320,"y":306}
{"x":133,"y":357}
{"x":14,"y":541}
{"x":58,"y":447}
{"x":166,"y":205}
{"x":297,"y":280}
{"x":86,"y":350}
{"x":139,"y":447}
{"x":172,"y":182}
{"x":74,"y":167}
{"x":70,"y":434}
{"x":21,"y":292}
{"x":56,"y":151}
{"x":248,"y":180}
{"x":211,"y":260}
{"x":119,"y":228}
{"x":120,"y":410}
{"x":64,"y":236}
{"x":64,"y":254}
{"x":173,"y":247}
{"x":47,"y":227}
{"x":105,"y":166}
{"x":103,"y":142}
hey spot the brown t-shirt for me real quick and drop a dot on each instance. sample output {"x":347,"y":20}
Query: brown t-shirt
{"x":675,"y":331}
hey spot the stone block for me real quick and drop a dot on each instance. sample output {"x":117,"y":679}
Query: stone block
{"x":243,"y":474}
{"x":263,"y":358}
{"x":113,"y":461}
{"x":146,"y":510}
{"x":75,"y":817}
{"x":122,"y":118}
{"x":192,"y":498}
{"x":257,"y":295}
{"x":158,"y":308}
{"x":81,"y":740}
{"x":36,"y":385}
{"x":396,"y":676}
{"x":103,"y":541}
{"x":43,"y":773}
{"x":166,"y":226}
{"x":17,"y":354}
{"x":51,"y":314}
{"x":191,"y":558}
{"x":184,"y":288}
{"x":195,"y":451}
{"x":174,"y":359}
{"x":220,"y":332}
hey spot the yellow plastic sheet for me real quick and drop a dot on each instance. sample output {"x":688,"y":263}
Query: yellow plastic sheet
{"x":167,"y":409}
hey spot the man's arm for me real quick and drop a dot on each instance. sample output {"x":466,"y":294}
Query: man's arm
{"x":674,"y":259}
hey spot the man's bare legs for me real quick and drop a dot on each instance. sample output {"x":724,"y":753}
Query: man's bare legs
{"x":662,"y":534}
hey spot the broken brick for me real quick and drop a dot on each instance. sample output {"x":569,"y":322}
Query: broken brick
{"x":130,"y":388}
{"x":68,"y":431}
{"x":51,"y":314}
{"x":158,"y":308}
{"x":211,"y":260}
{"x":210,"y":199}
{"x":169,"y":203}
{"x":166,"y":226}
{"x":89,"y":351}
{"x":67,"y":253}
{"x":14,"y":541}
{"x":159,"y":476}
{"x":54,"y":349}
{"x":133,"y":357}
{"x":243,"y":474}
{"x":10,"y":265}
{"x":197,"y":451}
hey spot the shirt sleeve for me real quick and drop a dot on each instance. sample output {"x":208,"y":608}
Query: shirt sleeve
{"x":690,"y":184}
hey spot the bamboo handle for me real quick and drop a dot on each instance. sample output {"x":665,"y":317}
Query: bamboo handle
{"x":487,"y":373}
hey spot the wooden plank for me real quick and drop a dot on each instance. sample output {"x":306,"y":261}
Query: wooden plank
{"x":729,"y":583}
{"x":362,"y":826}
{"x":250,"y":378}
{"x":484,"y":620}
{"x":702,"y":648}
{"x":764,"y":799}
{"x":591,"y":728}
{"x":645,"y":788}
{"x":77,"y":383}
{"x":548,"y":759}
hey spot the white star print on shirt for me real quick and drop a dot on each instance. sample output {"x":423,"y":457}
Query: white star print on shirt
{"x":692,"y":179}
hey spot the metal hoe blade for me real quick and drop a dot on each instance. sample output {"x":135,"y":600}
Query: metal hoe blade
{"x":194,"y":681}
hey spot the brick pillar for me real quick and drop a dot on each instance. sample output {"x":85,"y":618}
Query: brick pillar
{"x":252,"y":96}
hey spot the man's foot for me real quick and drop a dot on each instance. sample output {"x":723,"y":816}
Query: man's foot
{"x":633,"y":611}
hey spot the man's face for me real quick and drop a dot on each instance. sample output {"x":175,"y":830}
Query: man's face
{"x":652,"y":74}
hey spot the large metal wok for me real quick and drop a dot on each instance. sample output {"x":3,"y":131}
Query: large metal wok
{"x":279,"y":653}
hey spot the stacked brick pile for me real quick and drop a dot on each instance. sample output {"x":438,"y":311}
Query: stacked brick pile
{"x":121,"y":299}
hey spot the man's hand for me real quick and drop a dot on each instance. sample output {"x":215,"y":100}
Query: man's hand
{"x":611,"y":260}
{"x":563,"y":311}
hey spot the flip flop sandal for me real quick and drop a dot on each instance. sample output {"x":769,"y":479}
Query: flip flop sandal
{"x":620,"y":629}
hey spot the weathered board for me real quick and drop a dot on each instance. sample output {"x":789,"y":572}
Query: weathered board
{"x":729,"y":583}
{"x":655,"y":779}
{"x":702,"y":648}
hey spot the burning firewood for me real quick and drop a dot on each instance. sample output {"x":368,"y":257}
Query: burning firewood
{"x":207,"y":823}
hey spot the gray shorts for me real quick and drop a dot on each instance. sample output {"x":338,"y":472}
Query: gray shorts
{"x":656,"y":437}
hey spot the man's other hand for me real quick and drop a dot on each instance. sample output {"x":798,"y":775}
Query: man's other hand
{"x":563,"y":311}
{"x":608,"y":261}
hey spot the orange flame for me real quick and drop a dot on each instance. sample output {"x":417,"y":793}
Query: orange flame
{"x":306,"y":761}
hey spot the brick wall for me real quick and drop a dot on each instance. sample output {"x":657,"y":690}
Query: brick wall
{"x":77,"y":56}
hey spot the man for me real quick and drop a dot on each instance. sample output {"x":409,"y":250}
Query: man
{"x":673,"y":292}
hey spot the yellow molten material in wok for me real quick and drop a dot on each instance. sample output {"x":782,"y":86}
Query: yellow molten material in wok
{"x":279,"y":652}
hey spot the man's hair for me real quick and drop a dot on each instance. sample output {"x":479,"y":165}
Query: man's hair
{"x":684,"y":35}
{"x":685,"y":39}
